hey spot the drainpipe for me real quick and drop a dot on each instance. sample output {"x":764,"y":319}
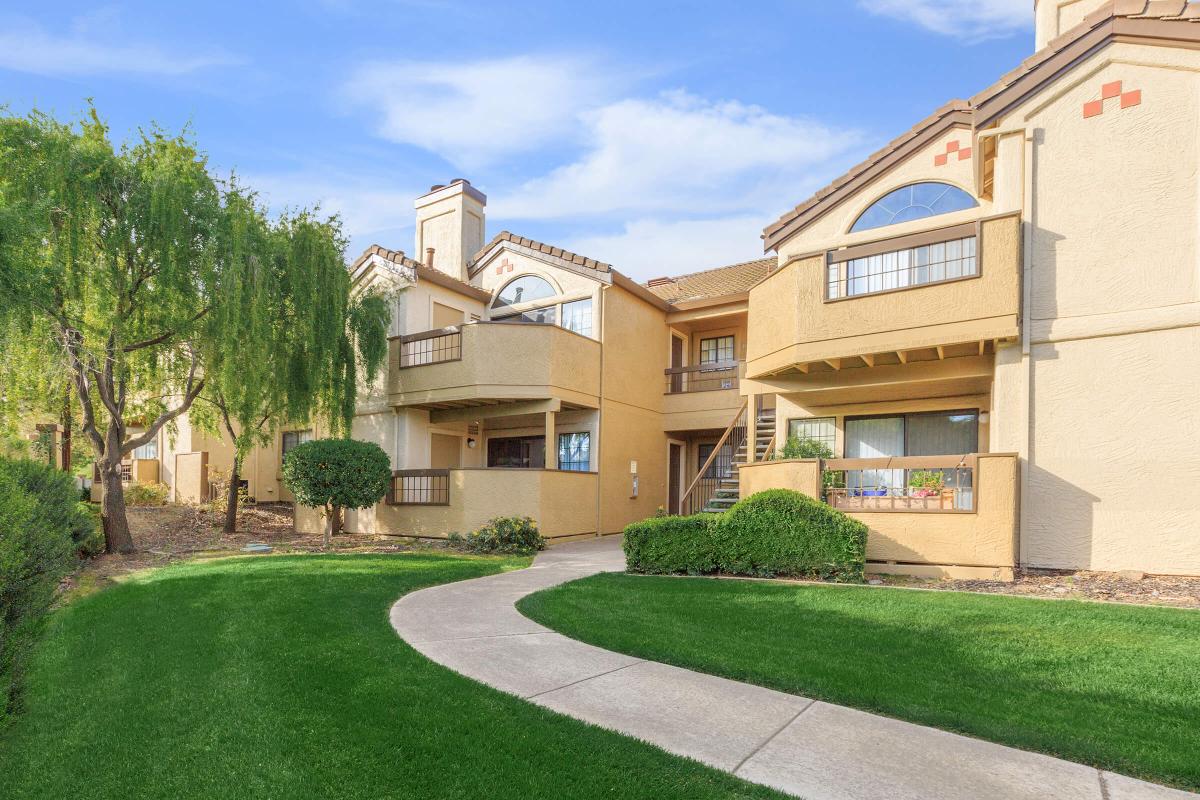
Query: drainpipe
{"x":600,"y":413}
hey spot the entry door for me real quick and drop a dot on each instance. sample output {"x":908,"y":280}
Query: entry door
{"x":676,"y":363}
{"x":675,"y":465}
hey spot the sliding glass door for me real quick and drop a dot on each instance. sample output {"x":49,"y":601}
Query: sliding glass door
{"x":935,"y":433}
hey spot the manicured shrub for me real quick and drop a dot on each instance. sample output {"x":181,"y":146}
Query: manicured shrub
{"x":783,"y":532}
{"x":511,"y":535}
{"x":776,"y":532}
{"x":665,"y":545}
{"x":146,"y":494}
{"x":41,"y":528}
{"x":334,"y":474}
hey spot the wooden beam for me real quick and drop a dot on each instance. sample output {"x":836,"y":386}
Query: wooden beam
{"x":836,"y":363}
{"x":982,"y":346}
{"x":941,"y":353}
{"x":869,"y":360}
{"x":903,"y":356}
{"x":472,"y":413}
{"x":804,"y":368}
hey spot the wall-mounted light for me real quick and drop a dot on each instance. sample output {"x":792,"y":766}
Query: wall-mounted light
{"x":471,"y":443}
{"x":983,"y":418}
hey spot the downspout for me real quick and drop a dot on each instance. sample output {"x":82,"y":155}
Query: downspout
{"x":600,"y":410}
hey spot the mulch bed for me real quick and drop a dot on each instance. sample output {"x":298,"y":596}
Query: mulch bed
{"x":1104,"y":586}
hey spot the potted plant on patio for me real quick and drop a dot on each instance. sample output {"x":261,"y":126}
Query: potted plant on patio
{"x":925,"y":484}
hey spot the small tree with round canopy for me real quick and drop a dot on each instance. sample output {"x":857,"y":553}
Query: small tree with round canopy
{"x":335,"y":474}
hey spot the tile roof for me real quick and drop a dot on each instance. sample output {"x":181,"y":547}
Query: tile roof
{"x":556,"y":252}
{"x":718,"y":282}
{"x":1135,"y":17}
{"x":423,"y":272}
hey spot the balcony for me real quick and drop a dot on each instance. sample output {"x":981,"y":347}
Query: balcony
{"x":487,"y":363}
{"x":962,"y":524}
{"x":923,"y":297}
{"x":701,"y":397}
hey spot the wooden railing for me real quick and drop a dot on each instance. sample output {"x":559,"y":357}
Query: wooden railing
{"x":703,"y":377}
{"x":909,"y":483}
{"x":431,"y":347}
{"x":420,"y":487}
{"x":718,"y":467}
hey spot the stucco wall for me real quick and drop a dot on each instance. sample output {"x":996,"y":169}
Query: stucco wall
{"x":802,"y":475}
{"x":562,"y":503}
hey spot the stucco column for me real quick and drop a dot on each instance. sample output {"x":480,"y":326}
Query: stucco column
{"x":551,"y":442}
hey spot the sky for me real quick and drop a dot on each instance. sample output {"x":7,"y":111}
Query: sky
{"x":660,"y":137}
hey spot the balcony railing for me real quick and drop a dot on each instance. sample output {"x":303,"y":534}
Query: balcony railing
{"x":703,"y":377}
{"x":420,"y":487}
{"x":431,"y":347}
{"x":910,"y":483}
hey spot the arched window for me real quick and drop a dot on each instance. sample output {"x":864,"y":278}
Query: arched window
{"x":524,"y":289}
{"x":915,"y":201}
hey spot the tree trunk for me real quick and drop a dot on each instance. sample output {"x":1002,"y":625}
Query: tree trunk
{"x":66,"y":426}
{"x":112,"y":508}
{"x":231,"y":505}
{"x":338,"y":520}
{"x":328,"y":526}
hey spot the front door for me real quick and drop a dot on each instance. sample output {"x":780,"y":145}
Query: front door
{"x":676,"y":363}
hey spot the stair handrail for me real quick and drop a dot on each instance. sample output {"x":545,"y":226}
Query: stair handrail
{"x":770,"y":447}
{"x":716,"y":450}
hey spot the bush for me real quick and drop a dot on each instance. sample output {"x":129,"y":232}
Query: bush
{"x":511,"y":535}
{"x":41,"y":527}
{"x":334,"y":474}
{"x":146,"y":494}
{"x":671,"y":545}
{"x":776,"y":532}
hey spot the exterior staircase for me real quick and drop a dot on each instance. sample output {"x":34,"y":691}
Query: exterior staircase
{"x":728,"y":491}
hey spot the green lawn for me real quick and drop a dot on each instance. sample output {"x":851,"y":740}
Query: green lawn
{"x":280,"y":677}
{"x":1113,"y":686}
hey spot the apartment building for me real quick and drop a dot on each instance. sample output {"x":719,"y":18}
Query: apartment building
{"x":992,"y":324}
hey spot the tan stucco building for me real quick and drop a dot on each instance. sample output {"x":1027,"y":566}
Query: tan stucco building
{"x":993,"y":325}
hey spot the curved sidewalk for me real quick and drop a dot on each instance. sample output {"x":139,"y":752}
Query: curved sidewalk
{"x":811,"y":749}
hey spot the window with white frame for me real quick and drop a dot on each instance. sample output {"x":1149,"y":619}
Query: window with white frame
{"x":577,"y":316}
{"x":575,"y":451}
{"x":819,"y":429}
{"x":293,"y":438}
{"x":147,"y":451}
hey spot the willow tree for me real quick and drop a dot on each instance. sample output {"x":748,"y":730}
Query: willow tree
{"x":287,"y":337}
{"x":118,"y":268}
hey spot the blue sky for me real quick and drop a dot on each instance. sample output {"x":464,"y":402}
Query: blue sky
{"x":658,"y":136}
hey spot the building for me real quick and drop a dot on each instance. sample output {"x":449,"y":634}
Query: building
{"x":993,"y":325}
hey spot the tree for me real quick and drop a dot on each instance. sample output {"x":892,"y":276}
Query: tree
{"x":285,"y":333}
{"x":130,"y":271}
{"x":335,"y":474}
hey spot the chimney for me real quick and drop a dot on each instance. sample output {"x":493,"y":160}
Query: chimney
{"x":450,"y":226}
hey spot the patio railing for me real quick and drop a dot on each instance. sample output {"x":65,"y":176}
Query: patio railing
{"x":420,"y":487}
{"x":702,"y":377}
{"x":431,"y":347}
{"x":908,"y":483}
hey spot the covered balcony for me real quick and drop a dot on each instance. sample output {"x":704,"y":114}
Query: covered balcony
{"x":491,"y":363}
{"x":920,"y":298}
{"x":701,"y":397}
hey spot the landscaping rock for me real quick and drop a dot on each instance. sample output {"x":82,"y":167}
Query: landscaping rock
{"x":1132,"y":575}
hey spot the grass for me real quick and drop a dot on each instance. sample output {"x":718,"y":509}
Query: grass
{"x":281,"y":677}
{"x":1114,"y":686}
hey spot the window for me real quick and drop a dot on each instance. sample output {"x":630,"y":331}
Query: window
{"x":819,"y":429}
{"x":540,"y":316}
{"x":524,"y":289}
{"x":577,"y":316}
{"x":716,"y":350}
{"x":927,"y":434}
{"x":913,"y":202}
{"x":520,"y":452}
{"x":148,"y":450}
{"x":293,"y":438}
{"x":574,"y":451}
{"x":899,"y":269}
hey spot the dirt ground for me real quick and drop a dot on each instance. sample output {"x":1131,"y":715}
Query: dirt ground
{"x":1106,"y":586}
{"x":169,"y":533}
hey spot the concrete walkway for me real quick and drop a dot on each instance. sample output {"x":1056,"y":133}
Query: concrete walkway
{"x":811,"y":749}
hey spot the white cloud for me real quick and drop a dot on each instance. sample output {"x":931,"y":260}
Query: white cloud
{"x":974,"y":20}
{"x":26,"y":47}
{"x":474,"y":112}
{"x":649,"y":248}
{"x":681,"y":153}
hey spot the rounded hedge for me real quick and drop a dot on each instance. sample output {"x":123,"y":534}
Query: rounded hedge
{"x":337,"y":473}
{"x":776,"y":532}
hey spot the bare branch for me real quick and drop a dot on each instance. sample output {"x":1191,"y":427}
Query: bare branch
{"x":191,"y":392}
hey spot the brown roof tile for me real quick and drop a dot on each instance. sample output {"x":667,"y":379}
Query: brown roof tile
{"x":718,"y":282}
{"x":423,"y":272}
{"x":541,"y":247}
